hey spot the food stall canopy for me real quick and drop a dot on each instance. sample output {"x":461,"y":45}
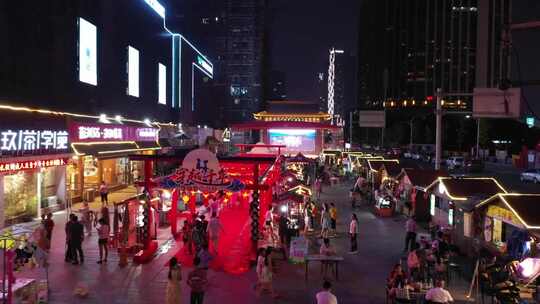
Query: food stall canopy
{"x":301,"y":190}
{"x":525,"y":207}
{"x":392,"y":169}
{"x":300,"y":158}
{"x":463,"y":188}
{"x":376,"y":164}
{"x":422,"y":178}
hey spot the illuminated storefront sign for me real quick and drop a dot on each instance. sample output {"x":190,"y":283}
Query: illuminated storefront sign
{"x":148,"y":133}
{"x":31,"y":164}
{"x":33,"y":140}
{"x":90,"y":132}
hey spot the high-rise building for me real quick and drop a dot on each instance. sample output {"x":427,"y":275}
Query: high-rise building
{"x":276,"y":87}
{"x":321,"y":86}
{"x":233,"y":31}
{"x":420,"y":46}
{"x":111,"y":57}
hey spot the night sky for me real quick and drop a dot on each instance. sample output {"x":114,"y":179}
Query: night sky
{"x":302,"y":32}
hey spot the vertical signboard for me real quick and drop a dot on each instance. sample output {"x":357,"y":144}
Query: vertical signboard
{"x":87,"y":52}
{"x":133,"y":71}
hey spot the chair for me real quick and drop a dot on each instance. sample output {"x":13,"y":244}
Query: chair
{"x":452,"y":271}
{"x":403,"y":296}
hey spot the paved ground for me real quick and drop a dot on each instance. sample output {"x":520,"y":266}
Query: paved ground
{"x":362,"y":276}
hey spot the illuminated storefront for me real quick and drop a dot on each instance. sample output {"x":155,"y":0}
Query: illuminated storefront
{"x":102,"y":151}
{"x":34,"y":153}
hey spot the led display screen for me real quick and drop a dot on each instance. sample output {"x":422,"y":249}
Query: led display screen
{"x":133,"y":71}
{"x":87,"y":52}
{"x":296,"y":140}
{"x":162,"y":84}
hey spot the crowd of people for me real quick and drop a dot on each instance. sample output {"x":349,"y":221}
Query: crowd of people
{"x":426,"y":268}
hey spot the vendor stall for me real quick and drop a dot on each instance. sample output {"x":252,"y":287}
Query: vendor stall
{"x":412,"y":191}
{"x":452,"y":201}
{"x":509,"y":224}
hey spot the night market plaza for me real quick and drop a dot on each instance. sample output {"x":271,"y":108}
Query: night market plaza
{"x":362,"y":276}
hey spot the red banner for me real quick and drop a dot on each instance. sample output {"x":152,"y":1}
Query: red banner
{"x":31,"y":164}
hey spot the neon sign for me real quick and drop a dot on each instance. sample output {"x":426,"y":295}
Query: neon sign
{"x":33,"y":140}
{"x":94,"y":132}
{"x":31,"y":164}
{"x":100,"y":133}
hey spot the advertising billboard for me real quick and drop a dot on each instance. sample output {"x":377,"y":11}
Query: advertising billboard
{"x":87,"y":52}
{"x":133,"y":71}
{"x":162,"y":84}
{"x":296,"y":140}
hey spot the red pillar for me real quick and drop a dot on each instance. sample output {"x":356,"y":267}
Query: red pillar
{"x":148,"y":174}
{"x":173,"y":213}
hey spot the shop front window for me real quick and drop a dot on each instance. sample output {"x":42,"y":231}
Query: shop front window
{"x":122,"y":171}
{"x":20,"y":197}
{"x":52,"y":187}
{"x":137,"y":170}
{"x":73,"y":179}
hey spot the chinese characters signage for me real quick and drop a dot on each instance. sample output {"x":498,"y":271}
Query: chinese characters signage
{"x":28,"y":141}
{"x":504,"y":215}
{"x":31,"y":164}
{"x":200,"y":168}
{"x":93,"y":132}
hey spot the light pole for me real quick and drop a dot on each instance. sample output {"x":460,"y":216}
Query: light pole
{"x":350,"y":126}
{"x":411,"y":135}
{"x":438,"y":123}
{"x":438,"y":126}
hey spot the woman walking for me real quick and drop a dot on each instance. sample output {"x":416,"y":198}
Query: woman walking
{"x":353,"y":233}
{"x":325,"y":222}
{"x":103,"y":238}
{"x":173,"y":283}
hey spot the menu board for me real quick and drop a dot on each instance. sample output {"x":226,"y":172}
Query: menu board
{"x":298,"y":250}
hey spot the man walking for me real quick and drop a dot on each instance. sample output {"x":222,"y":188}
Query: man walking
{"x":69,"y":246}
{"x":76,"y":237}
{"x":410,"y":237}
{"x":197,"y":281}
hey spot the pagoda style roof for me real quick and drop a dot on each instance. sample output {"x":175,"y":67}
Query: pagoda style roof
{"x":300,"y":116}
{"x":262,"y":125}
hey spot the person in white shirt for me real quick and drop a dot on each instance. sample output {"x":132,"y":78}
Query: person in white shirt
{"x":438,"y":294}
{"x":410,"y":236}
{"x":325,"y":296}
